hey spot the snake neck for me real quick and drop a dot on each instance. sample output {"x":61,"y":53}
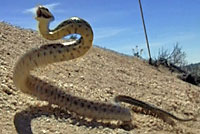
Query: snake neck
{"x":74,"y":25}
{"x":43,"y":27}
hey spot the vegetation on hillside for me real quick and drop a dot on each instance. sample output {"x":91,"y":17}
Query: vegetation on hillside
{"x":175,"y":60}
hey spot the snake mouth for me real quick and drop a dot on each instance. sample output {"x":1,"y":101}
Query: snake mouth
{"x":43,"y":12}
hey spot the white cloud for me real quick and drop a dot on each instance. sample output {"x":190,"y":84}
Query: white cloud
{"x":101,"y":33}
{"x":51,"y":7}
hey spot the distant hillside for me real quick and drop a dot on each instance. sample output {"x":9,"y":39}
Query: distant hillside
{"x":193,"y":68}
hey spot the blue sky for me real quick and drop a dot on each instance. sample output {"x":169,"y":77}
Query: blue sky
{"x":117,"y":24}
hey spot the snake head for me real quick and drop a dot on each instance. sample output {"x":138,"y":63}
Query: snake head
{"x":43,"y":13}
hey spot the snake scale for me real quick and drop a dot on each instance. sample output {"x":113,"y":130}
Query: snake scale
{"x":57,"y":52}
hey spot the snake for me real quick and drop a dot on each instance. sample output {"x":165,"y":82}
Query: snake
{"x":58,"y":52}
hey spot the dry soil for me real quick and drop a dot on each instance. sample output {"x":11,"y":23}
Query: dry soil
{"x":99,"y":75}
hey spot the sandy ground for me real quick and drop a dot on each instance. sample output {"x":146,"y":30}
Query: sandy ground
{"x":99,"y":75}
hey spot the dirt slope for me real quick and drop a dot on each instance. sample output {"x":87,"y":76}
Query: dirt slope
{"x":99,"y":75}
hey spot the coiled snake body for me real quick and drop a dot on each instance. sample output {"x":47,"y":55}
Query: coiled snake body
{"x":52,"y":53}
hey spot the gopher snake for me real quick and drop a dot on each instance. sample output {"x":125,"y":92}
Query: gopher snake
{"x":52,"y":53}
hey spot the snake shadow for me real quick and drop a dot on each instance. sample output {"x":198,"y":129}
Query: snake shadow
{"x":22,"y":120}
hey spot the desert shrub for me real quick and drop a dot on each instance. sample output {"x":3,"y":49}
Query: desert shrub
{"x":176,"y":56}
{"x":137,"y":52}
